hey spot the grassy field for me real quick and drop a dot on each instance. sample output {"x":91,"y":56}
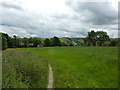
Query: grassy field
{"x":81,"y":67}
{"x":23,"y":69}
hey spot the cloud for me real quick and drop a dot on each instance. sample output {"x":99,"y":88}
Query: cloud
{"x":74,"y":19}
{"x":97,"y":13}
{"x":10,"y":5}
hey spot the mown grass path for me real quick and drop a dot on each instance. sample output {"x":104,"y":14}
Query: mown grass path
{"x":50,"y":80}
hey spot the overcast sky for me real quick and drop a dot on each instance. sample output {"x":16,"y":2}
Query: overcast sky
{"x":48,"y":18}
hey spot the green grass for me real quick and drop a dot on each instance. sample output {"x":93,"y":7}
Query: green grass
{"x":0,"y":69}
{"x":73,"y":67}
{"x":23,"y":69}
{"x":81,"y":67}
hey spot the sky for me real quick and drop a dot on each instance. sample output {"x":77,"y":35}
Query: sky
{"x":62,"y":18}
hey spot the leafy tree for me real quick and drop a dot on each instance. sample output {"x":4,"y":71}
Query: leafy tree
{"x":55,"y":41}
{"x":92,"y":37}
{"x":4,"y":42}
{"x":87,"y":41}
{"x":96,"y":38}
{"x":0,"y":41}
{"x":36,"y":42}
{"x":10,"y":42}
{"x":25,"y":42}
{"x":102,"y":37}
{"x":20,"y":42}
{"x":30,"y":42}
{"x":118,"y":44}
{"x":14,"y":41}
{"x":47,"y":42}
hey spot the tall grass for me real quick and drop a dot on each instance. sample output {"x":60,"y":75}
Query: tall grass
{"x":23,"y":69}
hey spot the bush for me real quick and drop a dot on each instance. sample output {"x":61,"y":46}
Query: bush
{"x":113,"y":43}
{"x":106,"y":43}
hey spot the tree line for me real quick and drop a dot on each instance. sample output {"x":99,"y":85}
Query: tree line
{"x":17,"y":42}
{"x":99,"y":38}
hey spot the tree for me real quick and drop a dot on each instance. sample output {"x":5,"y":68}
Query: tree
{"x":14,"y":41}
{"x":92,"y":37}
{"x":47,"y":42}
{"x":25,"y":42}
{"x":10,"y":42}
{"x":55,"y":41}
{"x":87,"y":41}
{"x":96,"y":38}
{"x":36,"y":42}
{"x":102,"y":37}
{"x":0,"y":41}
{"x":4,"y":42}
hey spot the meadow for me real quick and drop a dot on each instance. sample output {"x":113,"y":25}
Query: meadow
{"x":82,"y":67}
{"x":73,"y":67}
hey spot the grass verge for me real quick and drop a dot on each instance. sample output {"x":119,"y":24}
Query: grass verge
{"x":23,"y":69}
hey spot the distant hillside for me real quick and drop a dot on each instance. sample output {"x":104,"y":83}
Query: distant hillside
{"x":79,"y":41}
{"x":75,"y":41}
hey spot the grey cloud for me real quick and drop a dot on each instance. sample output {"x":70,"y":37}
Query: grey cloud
{"x":98,"y":13}
{"x":77,"y":31}
{"x":115,"y":28}
{"x":19,"y":20}
{"x":11,"y":5}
